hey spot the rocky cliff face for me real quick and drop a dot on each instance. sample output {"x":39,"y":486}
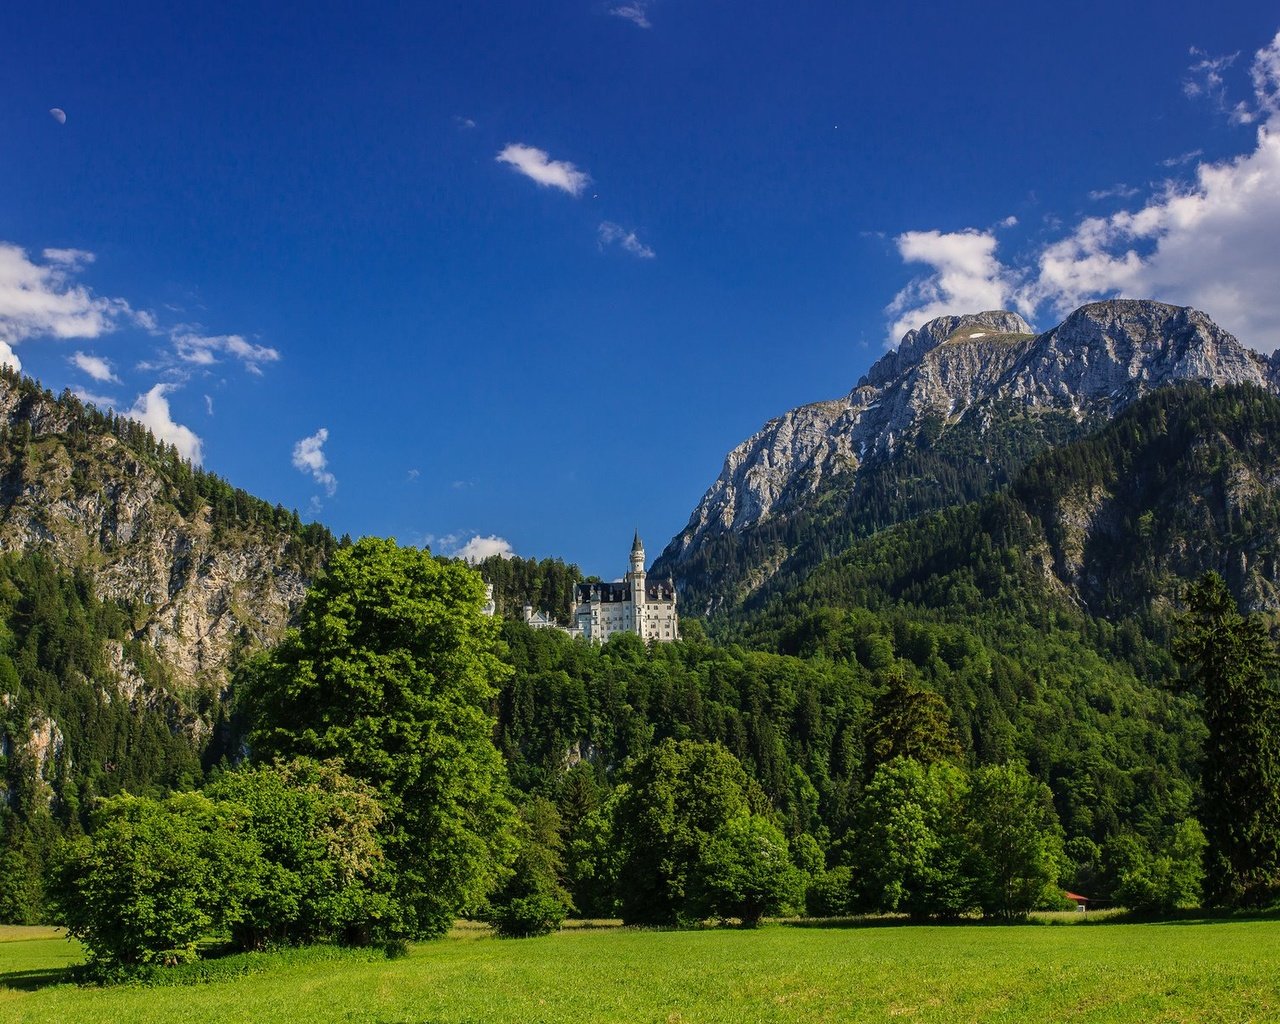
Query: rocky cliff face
{"x":199,"y":592}
{"x":963,"y":368}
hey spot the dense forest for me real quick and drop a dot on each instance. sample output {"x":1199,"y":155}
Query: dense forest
{"x":1013,"y":630}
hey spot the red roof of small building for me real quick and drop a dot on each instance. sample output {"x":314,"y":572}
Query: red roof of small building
{"x":1076,"y":897}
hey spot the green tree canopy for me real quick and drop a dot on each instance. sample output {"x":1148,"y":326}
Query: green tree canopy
{"x":675,"y":798}
{"x":533,"y":901}
{"x":393,"y":670}
{"x":1231,"y":662}
{"x":155,"y":877}
{"x":324,"y":875}
{"x":909,"y":849}
{"x":1015,"y":840}
{"x":745,"y":871}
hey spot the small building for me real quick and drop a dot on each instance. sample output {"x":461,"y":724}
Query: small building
{"x":1081,"y":902}
{"x":539,"y":619}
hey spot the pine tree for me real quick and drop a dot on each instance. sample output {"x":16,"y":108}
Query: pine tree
{"x":1232,"y":663}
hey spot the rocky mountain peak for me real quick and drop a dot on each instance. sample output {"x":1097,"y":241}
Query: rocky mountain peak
{"x":916,"y":343}
{"x":977,"y":369}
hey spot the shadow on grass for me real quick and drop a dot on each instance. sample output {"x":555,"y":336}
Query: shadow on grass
{"x":1099,"y":920}
{"x":31,"y":981}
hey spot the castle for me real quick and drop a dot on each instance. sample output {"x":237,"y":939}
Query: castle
{"x":633,"y":604}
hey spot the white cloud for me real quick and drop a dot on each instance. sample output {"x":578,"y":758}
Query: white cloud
{"x":479,"y":548}
{"x":1181,"y":158}
{"x":198,"y":349}
{"x":537,"y":164}
{"x":42,"y":299}
{"x":636,"y":12}
{"x":96,"y":367}
{"x":1210,"y":242}
{"x":72,"y":259}
{"x":101,"y":401}
{"x":8,"y":357}
{"x":152,"y":411}
{"x":610,"y":233}
{"x":966,"y":278}
{"x":309,"y":457}
{"x":208,"y":404}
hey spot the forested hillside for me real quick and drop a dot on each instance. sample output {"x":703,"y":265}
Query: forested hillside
{"x":206,"y":569}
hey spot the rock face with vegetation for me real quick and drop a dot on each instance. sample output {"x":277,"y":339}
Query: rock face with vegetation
{"x":952,"y":414}
{"x":207,"y":570}
{"x":131,"y":583}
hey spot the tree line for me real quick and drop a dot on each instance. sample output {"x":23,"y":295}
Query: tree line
{"x":665,"y":785}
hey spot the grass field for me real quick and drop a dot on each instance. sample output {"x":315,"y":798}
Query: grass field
{"x":1186,"y":971}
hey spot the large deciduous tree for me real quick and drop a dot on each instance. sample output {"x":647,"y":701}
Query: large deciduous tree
{"x":393,"y":669}
{"x":676,"y":797}
{"x":1231,"y":662}
{"x":1015,"y":840}
{"x":911,"y":846}
{"x":323,"y":871}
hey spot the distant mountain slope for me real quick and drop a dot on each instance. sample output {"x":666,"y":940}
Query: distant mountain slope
{"x":1185,"y":480}
{"x":952,"y":414}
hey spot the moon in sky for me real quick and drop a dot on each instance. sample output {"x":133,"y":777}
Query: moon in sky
{"x":59,"y":115}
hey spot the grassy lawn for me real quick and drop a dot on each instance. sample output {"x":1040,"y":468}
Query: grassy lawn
{"x":1187,"y":971}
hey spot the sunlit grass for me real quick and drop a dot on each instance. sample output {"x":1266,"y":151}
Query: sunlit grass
{"x":1185,"y":971}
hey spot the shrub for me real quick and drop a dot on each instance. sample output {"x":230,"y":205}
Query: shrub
{"x":155,"y":878}
{"x":830,"y":894}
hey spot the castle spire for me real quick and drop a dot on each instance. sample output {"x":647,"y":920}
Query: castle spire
{"x":637,"y":545}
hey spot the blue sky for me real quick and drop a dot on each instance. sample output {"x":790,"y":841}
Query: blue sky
{"x":526,"y":272}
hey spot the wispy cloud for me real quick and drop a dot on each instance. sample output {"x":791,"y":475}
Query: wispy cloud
{"x":1205,"y":77}
{"x":610,"y":233}
{"x":1182,"y":158}
{"x":96,"y":367}
{"x":198,"y":349}
{"x":1119,"y":191}
{"x":153,"y":412}
{"x":101,"y":401}
{"x":309,"y":457}
{"x":536,"y":164}
{"x":636,"y":12}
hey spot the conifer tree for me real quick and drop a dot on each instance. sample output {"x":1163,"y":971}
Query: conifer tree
{"x":1231,"y":662}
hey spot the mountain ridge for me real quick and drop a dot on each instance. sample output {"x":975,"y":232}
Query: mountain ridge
{"x":951,"y":381}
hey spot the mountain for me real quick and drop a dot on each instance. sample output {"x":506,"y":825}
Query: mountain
{"x":130,"y":584}
{"x":1104,"y":529}
{"x":208,"y":569}
{"x":951,"y":415}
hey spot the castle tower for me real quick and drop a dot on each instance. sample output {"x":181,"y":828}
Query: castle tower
{"x":637,"y":579}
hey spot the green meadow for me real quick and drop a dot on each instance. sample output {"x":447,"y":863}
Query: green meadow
{"x":1181,"y":971}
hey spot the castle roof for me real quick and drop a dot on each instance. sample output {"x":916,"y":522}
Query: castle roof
{"x":637,"y":544}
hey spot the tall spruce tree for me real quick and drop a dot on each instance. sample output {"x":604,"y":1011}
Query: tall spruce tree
{"x":1232,"y":663}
